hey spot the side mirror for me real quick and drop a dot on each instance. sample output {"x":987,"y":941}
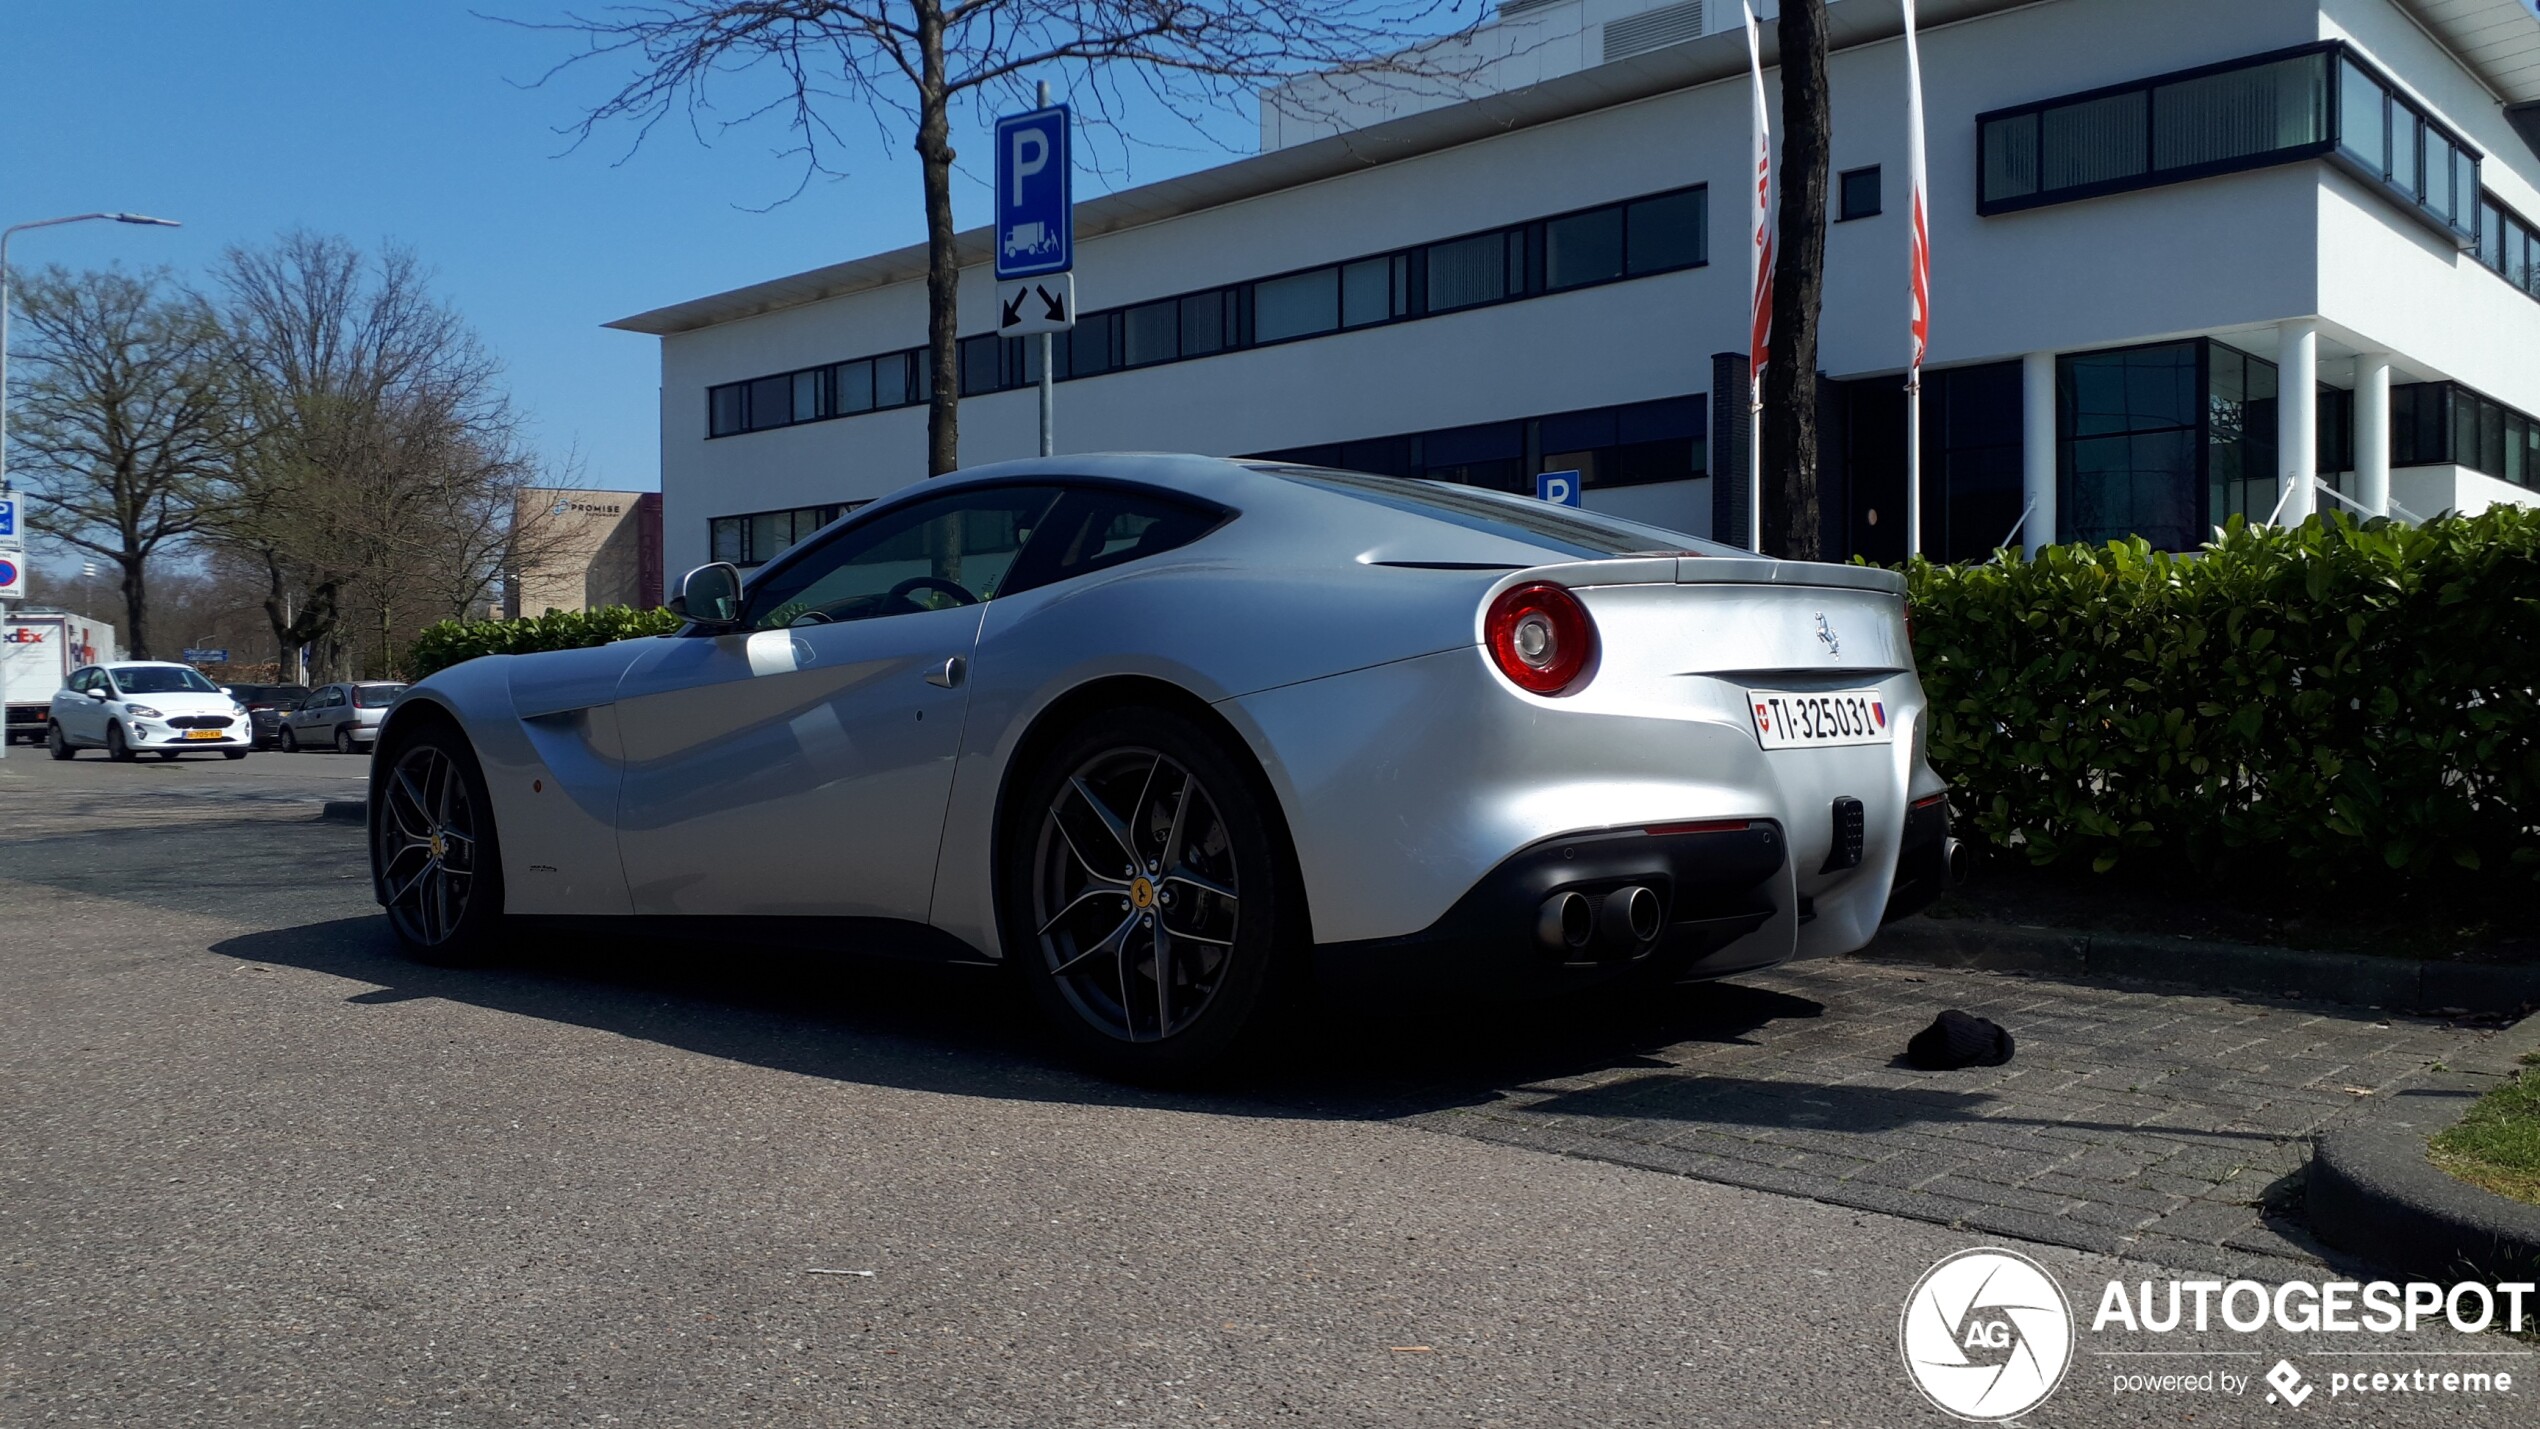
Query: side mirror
{"x":710,"y":595}
{"x":96,"y":693}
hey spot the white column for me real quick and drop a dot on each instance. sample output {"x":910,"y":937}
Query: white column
{"x":2297,"y":402}
{"x":2037,"y":450}
{"x":2372,"y":432}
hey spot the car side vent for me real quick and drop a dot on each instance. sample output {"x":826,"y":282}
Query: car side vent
{"x":1850,"y":826}
{"x":1653,"y":29}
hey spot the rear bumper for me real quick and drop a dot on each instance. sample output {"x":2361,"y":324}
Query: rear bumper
{"x":1715,"y":887}
{"x":1922,"y":862}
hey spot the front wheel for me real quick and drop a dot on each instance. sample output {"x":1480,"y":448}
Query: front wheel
{"x":433,"y":851}
{"x":57,"y":746}
{"x":290,"y":741}
{"x":1149,"y":897}
{"x":116,"y":749}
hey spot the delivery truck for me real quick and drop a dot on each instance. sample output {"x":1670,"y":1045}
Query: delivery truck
{"x":38,"y":650}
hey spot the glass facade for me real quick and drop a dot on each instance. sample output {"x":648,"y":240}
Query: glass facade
{"x":2437,"y":423}
{"x":2131,"y":427}
{"x":2240,"y":466}
{"x":758,"y":537}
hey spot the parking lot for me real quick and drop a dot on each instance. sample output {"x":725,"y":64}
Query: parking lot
{"x":259,"y":1169}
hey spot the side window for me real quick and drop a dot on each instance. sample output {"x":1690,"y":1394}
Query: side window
{"x":933,"y":555}
{"x":1099,"y":527}
{"x":82,"y":679}
{"x":334,"y":696}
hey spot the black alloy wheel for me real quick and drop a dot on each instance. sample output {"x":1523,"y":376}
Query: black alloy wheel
{"x":1148,"y":895}
{"x":432,"y":846}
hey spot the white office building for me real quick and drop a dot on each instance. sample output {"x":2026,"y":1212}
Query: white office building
{"x":2182,"y":250}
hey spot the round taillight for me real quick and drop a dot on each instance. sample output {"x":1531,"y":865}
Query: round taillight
{"x":1540,"y":637}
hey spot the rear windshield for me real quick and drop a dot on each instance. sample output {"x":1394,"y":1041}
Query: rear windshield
{"x":1585,"y":534}
{"x":371,"y":697}
{"x":163,"y":680}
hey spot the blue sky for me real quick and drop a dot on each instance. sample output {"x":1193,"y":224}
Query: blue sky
{"x":409,"y":122}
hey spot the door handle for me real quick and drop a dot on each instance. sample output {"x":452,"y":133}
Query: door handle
{"x":950,"y":674}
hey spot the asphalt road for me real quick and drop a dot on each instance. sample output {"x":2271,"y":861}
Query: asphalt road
{"x":257,"y":1170}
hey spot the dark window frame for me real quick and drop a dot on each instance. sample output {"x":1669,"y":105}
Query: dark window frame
{"x":1843,"y":194}
{"x":2331,"y":53}
{"x":1407,"y":272}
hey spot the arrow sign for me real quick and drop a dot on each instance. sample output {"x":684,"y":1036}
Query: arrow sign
{"x":1029,"y":305}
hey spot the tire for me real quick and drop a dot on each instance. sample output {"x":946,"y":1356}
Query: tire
{"x":343,"y":739}
{"x":1085,"y":942}
{"x":290,"y":741}
{"x":165,"y":755}
{"x":233,"y":754}
{"x":58,"y":746}
{"x":116,"y":749}
{"x":434,"y":853}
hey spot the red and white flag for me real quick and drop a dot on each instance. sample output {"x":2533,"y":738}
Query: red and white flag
{"x":1918,"y":237}
{"x":1759,"y":212}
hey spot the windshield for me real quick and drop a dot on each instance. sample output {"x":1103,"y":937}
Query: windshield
{"x":372,"y":697}
{"x":162,"y":680}
{"x":280,"y":694}
{"x":1586,"y":534}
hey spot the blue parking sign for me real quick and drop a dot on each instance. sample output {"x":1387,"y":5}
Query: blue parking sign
{"x":1036,"y":207}
{"x":1561,"y":488}
{"x":8,"y":516}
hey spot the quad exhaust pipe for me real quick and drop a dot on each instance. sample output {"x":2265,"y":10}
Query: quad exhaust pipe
{"x":1569,"y":923}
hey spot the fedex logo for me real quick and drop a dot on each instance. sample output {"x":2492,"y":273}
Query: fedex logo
{"x":23,"y":635}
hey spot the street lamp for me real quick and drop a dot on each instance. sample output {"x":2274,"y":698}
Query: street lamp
{"x":5,"y":235}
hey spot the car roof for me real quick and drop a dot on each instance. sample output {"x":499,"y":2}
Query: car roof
{"x":145,"y":665}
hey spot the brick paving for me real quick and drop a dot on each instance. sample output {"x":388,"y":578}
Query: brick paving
{"x":2155,"y":1124}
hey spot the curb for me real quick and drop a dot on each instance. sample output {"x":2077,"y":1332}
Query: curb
{"x":2399,"y":984}
{"x":2372,"y":1191}
{"x":346,"y":811}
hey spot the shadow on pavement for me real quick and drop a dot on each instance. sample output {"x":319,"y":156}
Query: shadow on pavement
{"x":960,"y":1030}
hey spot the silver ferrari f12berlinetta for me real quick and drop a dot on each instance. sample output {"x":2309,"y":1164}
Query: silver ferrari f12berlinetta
{"x":1169,"y":735}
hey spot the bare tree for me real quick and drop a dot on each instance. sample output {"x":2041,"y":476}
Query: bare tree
{"x":381,"y":457}
{"x":1792,"y":526}
{"x":907,"y":63}
{"x":123,"y":427}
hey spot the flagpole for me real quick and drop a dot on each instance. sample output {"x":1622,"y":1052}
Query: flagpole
{"x":1918,"y":266}
{"x":1759,"y":284}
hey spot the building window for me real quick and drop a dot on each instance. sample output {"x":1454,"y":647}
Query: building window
{"x":1583,"y":248}
{"x":761,"y":536}
{"x":1467,"y":272}
{"x":2316,"y":101}
{"x":1860,"y":194}
{"x":1658,"y":233}
{"x":2129,"y":426}
{"x":1298,"y":305}
{"x":2240,"y":465}
{"x":1668,"y":232}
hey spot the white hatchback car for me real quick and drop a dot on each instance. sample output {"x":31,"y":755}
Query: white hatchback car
{"x":153,"y":705}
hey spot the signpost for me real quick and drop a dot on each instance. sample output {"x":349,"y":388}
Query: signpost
{"x":1036,"y":235}
{"x":196,"y":655}
{"x":1561,"y":488}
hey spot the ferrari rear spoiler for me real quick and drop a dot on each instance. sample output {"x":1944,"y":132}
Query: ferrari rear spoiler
{"x":1670,"y":568}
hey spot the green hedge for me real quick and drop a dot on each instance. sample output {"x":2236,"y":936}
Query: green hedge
{"x":2317,"y":704}
{"x":450,"y":641}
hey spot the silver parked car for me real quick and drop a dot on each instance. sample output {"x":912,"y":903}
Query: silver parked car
{"x":343,"y":717}
{"x":1161,"y":731}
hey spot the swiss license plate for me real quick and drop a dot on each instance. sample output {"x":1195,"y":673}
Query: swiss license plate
{"x":202,"y":734}
{"x":1788,"y":720}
